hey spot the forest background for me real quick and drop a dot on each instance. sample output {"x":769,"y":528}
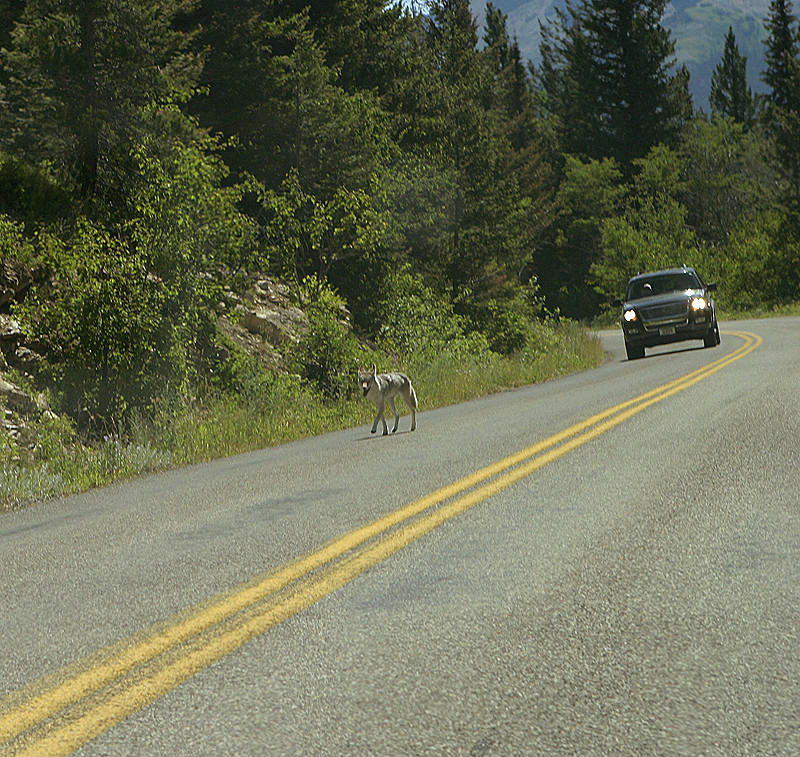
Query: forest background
{"x":429,"y":199}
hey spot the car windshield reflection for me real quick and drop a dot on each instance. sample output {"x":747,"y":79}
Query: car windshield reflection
{"x":655,"y":285}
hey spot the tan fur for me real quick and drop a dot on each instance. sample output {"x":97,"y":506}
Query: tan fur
{"x":384,"y":387}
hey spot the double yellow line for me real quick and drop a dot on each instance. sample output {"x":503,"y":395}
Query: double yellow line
{"x":61,"y":713}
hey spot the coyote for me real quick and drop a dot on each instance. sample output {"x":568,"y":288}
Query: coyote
{"x":384,"y":387}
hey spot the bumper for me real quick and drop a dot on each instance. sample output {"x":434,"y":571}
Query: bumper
{"x":651,"y":336}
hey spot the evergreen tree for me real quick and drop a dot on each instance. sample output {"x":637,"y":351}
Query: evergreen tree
{"x":606,"y":70}
{"x":363,"y":39}
{"x":782,"y":47}
{"x":730,"y":96}
{"x":518,"y":107}
{"x":786,"y":129}
{"x":783,"y":111}
{"x":81,"y":71}
{"x":590,"y":193}
{"x":726,"y":176}
{"x":483,"y":239}
{"x":267,"y":86}
{"x":496,"y":41}
{"x":10,"y":13}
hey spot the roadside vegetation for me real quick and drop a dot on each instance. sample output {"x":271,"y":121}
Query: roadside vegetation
{"x":269,"y":410}
{"x":428,"y":200}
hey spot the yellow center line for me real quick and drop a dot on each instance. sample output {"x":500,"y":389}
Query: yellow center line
{"x":276,"y":596}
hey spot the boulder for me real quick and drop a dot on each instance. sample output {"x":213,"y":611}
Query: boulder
{"x":15,"y":278}
{"x":267,"y":310}
{"x":16,"y":398}
{"x":277,"y":325}
{"x":10,"y":329}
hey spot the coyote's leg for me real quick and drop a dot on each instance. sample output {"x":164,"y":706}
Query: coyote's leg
{"x":379,"y":417}
{"x":396,"y":414}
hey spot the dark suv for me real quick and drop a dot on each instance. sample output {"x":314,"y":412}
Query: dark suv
{"x":668,"y":306}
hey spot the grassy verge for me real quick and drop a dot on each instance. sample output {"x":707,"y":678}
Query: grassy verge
{"x":219,"y":426}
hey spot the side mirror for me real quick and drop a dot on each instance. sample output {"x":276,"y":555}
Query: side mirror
{"x":617,"y":303}
{"x":711,"y":287}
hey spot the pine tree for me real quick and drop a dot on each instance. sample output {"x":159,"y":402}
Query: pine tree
{"x":786,"y":130}
{"x":81,"y":71}
{"x":782,"y":48}
{"x":10,"y":13}
{"x":606,"y":69}
{"x":362,"y":39}
{"x":495,"y":39}
{"x":782,"y":115}
{"x":267,"y":86}
{"x":730,"y":96}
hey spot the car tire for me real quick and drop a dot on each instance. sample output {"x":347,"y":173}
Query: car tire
{"x":634,"y":353}
{"x":711,"y":339}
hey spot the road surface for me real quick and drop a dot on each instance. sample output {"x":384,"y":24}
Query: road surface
{"x":604,"y":564}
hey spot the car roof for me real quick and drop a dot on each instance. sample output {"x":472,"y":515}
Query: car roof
{"x":682,"y":269}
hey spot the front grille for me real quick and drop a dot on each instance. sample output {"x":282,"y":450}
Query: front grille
{"x":671,"y":310}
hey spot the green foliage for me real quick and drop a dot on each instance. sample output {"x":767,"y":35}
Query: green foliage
{"x":651,"y":236}
{"x":29,"y":196}
{"x":725,"y":176}
{"x":591,"y":192}
{"x":328,"y":354}
{"x":129,"y":304}
{"x":506,"y":325}
{"x":80,"y":72}
{"x":782,"y":47}
{"x":106,"y":326}
{"x":14,"y":245}
{"x":651,"y":233}
{"x":606,"y":69}
{"x":309,"y":236}
{"x":751,"y":269}
{"x":184,"y":211}
{"x":412,"y":320}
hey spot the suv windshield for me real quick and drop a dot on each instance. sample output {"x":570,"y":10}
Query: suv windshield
{"x":669,"y":282}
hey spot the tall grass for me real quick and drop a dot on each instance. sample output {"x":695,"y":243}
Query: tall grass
{"x":280,"y":411}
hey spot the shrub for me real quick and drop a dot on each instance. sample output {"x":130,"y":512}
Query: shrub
{"x":412,"y":321}
{"x":328,"y":355}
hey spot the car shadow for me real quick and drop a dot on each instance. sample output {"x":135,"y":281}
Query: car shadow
{"x":673,"y":351}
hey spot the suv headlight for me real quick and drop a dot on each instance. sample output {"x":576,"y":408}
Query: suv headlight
{"x":629,"y":315}
{"x":699,"y":303}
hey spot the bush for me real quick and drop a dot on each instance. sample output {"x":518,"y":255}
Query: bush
{"x":114,"y":342}
{"x":412,"y":321}
{"x":328,"y":355}
{"x":760,"y":268}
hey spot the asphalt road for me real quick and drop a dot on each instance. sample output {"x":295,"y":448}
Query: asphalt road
{"x":630,"y":587}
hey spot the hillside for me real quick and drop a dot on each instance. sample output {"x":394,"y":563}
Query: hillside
{"x":698,"y":27}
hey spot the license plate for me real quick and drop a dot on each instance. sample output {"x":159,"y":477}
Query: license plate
{"x":666,"y":330}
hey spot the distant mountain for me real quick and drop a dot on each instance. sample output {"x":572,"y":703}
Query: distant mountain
{"x":698,"y":28}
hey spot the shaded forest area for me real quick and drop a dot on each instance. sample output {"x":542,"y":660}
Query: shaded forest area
{"x":394,"y":164}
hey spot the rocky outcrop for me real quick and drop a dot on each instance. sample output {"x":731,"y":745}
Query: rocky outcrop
{"x":15,"y":279}
{"x":262,"y":321}
{"x":267,"y":310}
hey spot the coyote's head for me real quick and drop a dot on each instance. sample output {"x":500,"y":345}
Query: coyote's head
{"x":366,"y":379}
